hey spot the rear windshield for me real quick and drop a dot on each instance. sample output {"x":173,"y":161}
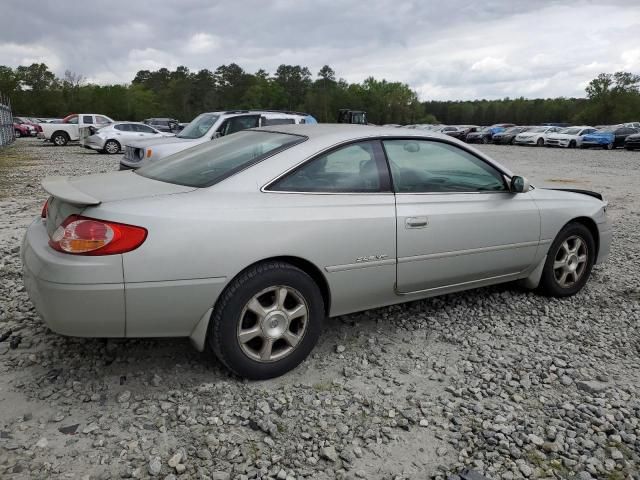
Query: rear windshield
{"x":209,"y":163}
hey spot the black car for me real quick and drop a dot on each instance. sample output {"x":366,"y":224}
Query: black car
{"x":169,"y":125}
{"x":460,"y":132}
{"x":507,"y":137}
{"x":632,"y":142}
{"x":483,"y":134}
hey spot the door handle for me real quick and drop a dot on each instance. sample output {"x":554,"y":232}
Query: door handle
{"x":416,"y":222}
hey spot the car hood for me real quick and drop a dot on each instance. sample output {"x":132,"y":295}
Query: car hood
{"x":160,"y":141}
{"x":562,"y":136}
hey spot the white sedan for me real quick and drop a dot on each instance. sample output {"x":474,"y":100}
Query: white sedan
{"x":112,"y":138}
{"x":535,"y":136}
{"x":570,"y":137}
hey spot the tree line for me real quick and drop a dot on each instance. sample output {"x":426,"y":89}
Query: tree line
{"x":36,"y":91}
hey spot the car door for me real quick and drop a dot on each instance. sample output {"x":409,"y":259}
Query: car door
{"x":344,"y":197}
{"x":457,"y":221}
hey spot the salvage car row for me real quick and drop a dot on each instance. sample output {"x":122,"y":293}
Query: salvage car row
{"x":625,"y":135}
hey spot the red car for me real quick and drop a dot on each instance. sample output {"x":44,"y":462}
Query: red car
{"x":23,"y":130}
{"x":28,"y":121}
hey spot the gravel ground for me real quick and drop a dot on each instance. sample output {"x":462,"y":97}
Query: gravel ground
{"x":497,"y":379}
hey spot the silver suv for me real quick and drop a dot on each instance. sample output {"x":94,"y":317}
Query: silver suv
{"x":206,"y":127}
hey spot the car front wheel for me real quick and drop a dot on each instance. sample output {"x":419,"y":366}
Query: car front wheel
{"x":540,"y":142}
{"x":569,"y":261}
{"x":267,"y":321}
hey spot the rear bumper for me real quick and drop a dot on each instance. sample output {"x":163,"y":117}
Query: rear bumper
{"x":62,"y":292}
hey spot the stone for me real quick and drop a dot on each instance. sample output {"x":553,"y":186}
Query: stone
{"x":329,"y":453}
{"x":155,"y":466}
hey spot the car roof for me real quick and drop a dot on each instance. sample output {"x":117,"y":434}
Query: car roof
{"x":339,"y":132}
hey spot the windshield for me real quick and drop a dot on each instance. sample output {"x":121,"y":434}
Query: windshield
{"x":606,"y":130}
{"x":212,"y":162}
{"x":570,"y":131}
{"x":199,"y":126}
{"x":538,"y":129}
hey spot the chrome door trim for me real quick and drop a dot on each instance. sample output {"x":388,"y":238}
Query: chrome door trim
{"x":354,"y":266}
{"x":456,"y":253}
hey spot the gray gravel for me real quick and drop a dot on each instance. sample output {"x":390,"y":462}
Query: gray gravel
{"x":498,"y":379}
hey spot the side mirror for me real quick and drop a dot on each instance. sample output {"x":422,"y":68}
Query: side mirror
{"x":519,"y":184}
{"x":216,"y":135}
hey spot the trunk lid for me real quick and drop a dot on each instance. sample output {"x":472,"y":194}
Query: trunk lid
{"x":71,"y":195}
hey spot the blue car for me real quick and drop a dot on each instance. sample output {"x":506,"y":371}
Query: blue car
{"x":609,"y":137}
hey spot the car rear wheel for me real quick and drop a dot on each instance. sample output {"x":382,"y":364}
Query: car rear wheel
{"x":267,"y":321}
{"x":609,"y":146}
{"x":572,"y":144}
{"x":569,"y":261}
{"x":60,"y":139}
{"x":18,"y":133}
{"x":485,"y":140}
{"x":111,"y":147}
{"x":540,"y":142}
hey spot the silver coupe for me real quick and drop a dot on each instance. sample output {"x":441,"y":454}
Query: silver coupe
{"x":246,"y":244}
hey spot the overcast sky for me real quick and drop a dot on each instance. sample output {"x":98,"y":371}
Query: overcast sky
{"x":446,"y":50}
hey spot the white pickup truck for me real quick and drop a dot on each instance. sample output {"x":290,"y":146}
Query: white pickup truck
{"x":68,"y":130}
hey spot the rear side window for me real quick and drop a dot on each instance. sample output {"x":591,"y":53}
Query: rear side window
{"x":350,"y":169}
{"x":277,"y":121}
{"x":87,"y":119}
{"x":212,"y":162}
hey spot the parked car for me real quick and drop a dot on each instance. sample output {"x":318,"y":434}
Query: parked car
{"x":169,"y":125}
{"x":204,"y":128}
{"x":69,"y":129}
{"x":113,"y":137}
{"x":36,"y":128}
{"x":632,"y":141}
{"x":247,"y":243}
{"x":535,"y":136}
{"x":22,"y":130}
{"x":609,"y":137}
{"x":570,"y":137}
{"x":508,"y":136}
{"x":631,"y":124}
{"x":484,"y":135}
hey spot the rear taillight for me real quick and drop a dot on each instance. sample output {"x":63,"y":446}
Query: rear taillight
{"x":87,"y":236}
{"x":45,"y":209}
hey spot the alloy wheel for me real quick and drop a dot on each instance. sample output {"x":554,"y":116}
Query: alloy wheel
{"x":570,"y":261}
{"x":111,"y":147}
{"x":272,"y":323}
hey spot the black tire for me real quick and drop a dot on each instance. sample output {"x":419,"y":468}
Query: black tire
{"x":608,"y":146}
{"x":540,"y":142}
{"x":17,"y":133}
{"x":485,"y":140}
{"x":222,"y":335}
{"x":511,"y":142}
{"x":549,"y":285}
{"x":572,"y":144}
{"x":60,"y":139}
{"x":111,"y":147}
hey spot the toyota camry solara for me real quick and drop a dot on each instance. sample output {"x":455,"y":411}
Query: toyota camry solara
{"x":247,"y":243}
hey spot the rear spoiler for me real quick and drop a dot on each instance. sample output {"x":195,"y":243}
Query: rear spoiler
{"x":583,"y":192}
{"x":61,"y":188}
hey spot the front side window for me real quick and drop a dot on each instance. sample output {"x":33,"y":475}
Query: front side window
{"x":123,"y":127}
{"x":237,"y":124}
{"x":349,"y":169}
{"x":143,"y":129}
{"x":199,"y":126}
{"x":211,"y":162}
{"x":421,"y":166}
